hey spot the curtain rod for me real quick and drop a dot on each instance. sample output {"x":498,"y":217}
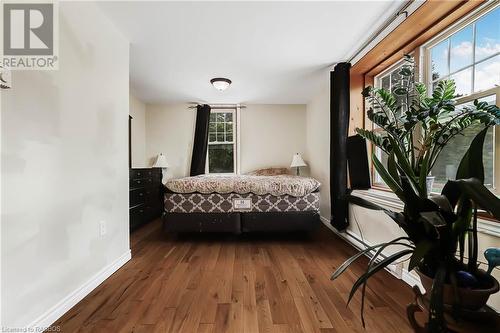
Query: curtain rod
{"x":221,"y":106}
{"x":387,"y":23}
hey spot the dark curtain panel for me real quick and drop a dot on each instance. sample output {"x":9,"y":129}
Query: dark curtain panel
{"x":339,"y":126}
{"x":200,"y":144}
{"x":357,"y":159}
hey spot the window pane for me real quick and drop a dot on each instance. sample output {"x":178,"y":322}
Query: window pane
{"x":220,"y":117}
{"x":439,"y":57}
{"x":229,"y":116}
{"x":395,"y":77}
{"x":487,"y":74}
{"x":386,"y":82}
{"x":212,"y":117}
{"x":220,"y":128}
{"x":211,"y":137}
{"x":461,"y":49}
{"x":221,"y":158}
{"x":383,"y":158}
{"x":447,"y":163}
{"x":488,"y":35}
{"x":220,"y":137}
{"x":463,"y":82}
{"x":211,"y":127}
{"x":229,"y":137}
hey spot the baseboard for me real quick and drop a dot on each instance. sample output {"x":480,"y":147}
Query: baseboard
{"x":57,"y":311}
{"x":403,"y":274}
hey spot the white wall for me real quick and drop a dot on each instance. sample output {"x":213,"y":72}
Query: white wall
{"x":64,"y":167}
{"x":318,"y":144}
{"x":138,"y":139}
{"x":170,"y":130}
{"x":270,"y":135}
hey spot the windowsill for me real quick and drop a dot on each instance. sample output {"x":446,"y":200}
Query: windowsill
{"x":387,"y":199}
{"x":381,"y":191}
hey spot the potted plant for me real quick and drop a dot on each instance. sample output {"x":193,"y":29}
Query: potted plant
{"x":416,"y":126}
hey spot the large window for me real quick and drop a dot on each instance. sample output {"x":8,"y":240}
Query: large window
{"x":221,"y":157}
{"x":468,"y":53}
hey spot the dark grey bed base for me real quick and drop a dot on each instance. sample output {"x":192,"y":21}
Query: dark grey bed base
{"x":241,"y":222}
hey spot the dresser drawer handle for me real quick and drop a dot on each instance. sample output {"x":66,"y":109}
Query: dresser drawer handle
{"x":141,"y":194}
{"x":138,"y":182}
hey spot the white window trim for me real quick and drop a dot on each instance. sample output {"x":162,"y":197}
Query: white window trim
{"x":236,"y":139}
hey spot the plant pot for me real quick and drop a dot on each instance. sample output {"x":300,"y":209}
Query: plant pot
{"x":470,"y":299}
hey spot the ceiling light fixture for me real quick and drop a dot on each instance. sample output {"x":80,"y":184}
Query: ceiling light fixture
{"x":220,"y":83}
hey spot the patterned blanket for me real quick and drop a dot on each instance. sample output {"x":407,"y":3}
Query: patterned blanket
{"x":275,"y":185}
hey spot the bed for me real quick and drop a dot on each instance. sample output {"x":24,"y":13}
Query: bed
{"x":265,"y":200}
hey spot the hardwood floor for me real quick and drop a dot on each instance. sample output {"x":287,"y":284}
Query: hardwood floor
{"x":246,"y":283}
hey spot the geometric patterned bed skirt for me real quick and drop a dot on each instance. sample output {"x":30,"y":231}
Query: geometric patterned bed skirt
{"x":223,"y":203}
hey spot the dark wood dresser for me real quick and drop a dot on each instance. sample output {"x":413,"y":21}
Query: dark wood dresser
{"x":145,"y":196}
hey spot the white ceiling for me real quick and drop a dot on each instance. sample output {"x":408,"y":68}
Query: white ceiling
{"x":274,"y":52}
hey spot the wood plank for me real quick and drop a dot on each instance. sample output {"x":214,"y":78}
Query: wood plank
{"x":246,"y":283}
{"x":427,"y":21}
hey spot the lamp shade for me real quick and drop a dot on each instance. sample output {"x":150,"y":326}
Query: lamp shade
{"x":161,"y":162}
{"x":297,"y":161}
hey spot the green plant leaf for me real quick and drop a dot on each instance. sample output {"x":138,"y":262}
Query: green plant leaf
{"x":392,"y":167}
{"x":424,"y":171}
{"x":421,"y":249}
{"x":436,"y":308}
{"x":403,"y":163}
{"x":375,"y":138}
{"x":382,"y":264}
{"x":370,"y":265}
{"x":471,"y":165}
{"x":460,"y":227}
{"x":352,"y":259}
{"x":442,"y":202}
{"x":445,"y":90}
{"x":472,"y":188}
{"x":384,"y":174}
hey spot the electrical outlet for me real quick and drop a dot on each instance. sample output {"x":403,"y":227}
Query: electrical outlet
{"x":102,"y":228}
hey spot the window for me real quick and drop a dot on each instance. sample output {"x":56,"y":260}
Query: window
{"x":447,"y":163}
{"x":221,"y":156}
{"x":468,"y":53}
{"x":385,"y":80}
